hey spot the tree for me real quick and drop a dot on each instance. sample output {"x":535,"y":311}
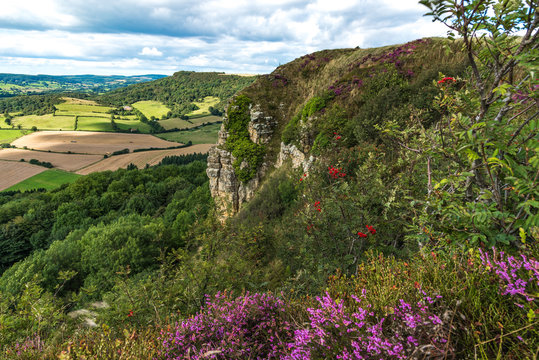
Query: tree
{"x":483,"y":157}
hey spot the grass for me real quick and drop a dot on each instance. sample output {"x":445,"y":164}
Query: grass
{"x":7,"y":136}
{"x":204,"y":106}
{"x":77,"y":109}
{"x":133,"y":124}
{"x":187,"y":124}
{"x":151,"y":108}
{"x":49,"y":179}
{"x":203,"y":135}
{"x":94,"y":124}
{"x":45,"y":122}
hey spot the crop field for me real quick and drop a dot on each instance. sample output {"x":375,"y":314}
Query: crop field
{"x":15,"y":172}
{"x":67,"y":162}
{"x":78,"y":108}
{"x":70,"y":100}
{"x":151,"y":108}
{"x":85,"y":142}
{"x":7,"y":136}
{"x":45,"y":122}
{"x":140,"y":159}
{"x":204,"y":106}
{"x":187,"y":124}
{"x":204,"y":135}
{"x":92,"y":123}
{"x":48,"y":179}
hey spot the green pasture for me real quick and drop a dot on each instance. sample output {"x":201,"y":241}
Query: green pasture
{"x":7,"y":136}
{"x":177,"y":123}
{"x":133,"y":124}
{"x":151,"y":108}
{"x":204,"y":106}
{"x":204,"y":135}
{"x":48,"y":179}
{"x":80,"y":109}
{"x":88,"y":123}
{"x":45,"y":122}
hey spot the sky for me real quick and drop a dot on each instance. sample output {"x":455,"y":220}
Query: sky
{"x":133,"y":37}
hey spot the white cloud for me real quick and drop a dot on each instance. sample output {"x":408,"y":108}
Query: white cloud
{"x":133,"y":36}
{"x":146,"y":51}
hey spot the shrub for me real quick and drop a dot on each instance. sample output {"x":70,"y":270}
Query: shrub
{"x":254,"y":326}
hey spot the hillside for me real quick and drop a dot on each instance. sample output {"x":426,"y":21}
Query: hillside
{"x":360,"y":204}
{"x":180,"y":90}
{"x":20,"y":84}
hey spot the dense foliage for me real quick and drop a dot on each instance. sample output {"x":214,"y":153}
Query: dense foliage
{"x":248,"y":155}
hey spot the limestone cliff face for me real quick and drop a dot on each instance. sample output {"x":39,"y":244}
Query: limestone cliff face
{"x":228,"y":192}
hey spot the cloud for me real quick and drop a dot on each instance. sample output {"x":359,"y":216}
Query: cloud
{"x":146,"y":51}
{"x":233,"y":36}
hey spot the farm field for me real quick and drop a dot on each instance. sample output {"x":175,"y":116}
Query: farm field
{"x":85,"y":142}
{"x":204,"y":106}
{"x":151,"y":108}
{"x":140,"y":159}
{"x":177,"y":123}
{"x":7,"y":136}
{"x":93,"y":123}
{"x":15,"y":172}
{"x":67,"y":162}
{"x":76,"y":107}
{"x":128,"y":124}
{"x":48,"y":179}
{"x":45,"y":122}
{"x":205,"y":135}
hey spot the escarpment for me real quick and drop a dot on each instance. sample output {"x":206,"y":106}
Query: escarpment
{"x":297,"y":112}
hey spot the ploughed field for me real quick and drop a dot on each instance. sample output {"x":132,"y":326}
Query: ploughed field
{"x":87,"y":142}
{"x":73,"y":153}
{"x":67,"y":162}
{"x":15,"y":172}
{"x":140,"y":159}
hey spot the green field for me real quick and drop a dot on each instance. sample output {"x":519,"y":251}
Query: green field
{"x":203,"y":135}
{"x":151,"y":108}
{"x":187,"y":124}
{"x":80,"y":109}
{"x":7,"y":136}
{"x":87,"y":123}
{"x":204,"y":106}
{"x":49,"y":179}
{"x":45,"y":122}
{"x":133,"y":124}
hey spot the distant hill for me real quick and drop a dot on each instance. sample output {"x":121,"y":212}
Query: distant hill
{"x":20,"y":84}
{"x":180,"y":90}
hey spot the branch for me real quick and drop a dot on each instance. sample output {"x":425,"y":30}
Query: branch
{"x":521,"y":127}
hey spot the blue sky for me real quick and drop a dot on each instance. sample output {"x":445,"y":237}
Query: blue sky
{"x":129,"y":37}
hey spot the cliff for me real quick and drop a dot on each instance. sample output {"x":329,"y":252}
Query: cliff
{"x":291,"y":114}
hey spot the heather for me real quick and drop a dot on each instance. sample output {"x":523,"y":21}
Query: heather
{"x":409,"y":232}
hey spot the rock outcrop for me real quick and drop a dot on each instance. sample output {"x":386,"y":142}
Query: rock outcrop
{"x":228,"y":192}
